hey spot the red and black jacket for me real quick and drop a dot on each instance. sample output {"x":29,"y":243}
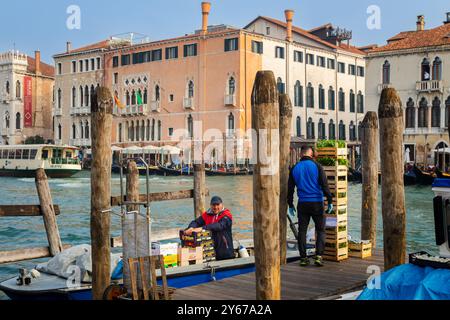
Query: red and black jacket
{"x":221,"y":227}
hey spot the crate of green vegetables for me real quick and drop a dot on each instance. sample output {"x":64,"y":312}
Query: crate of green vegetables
{"x":332,"y":149}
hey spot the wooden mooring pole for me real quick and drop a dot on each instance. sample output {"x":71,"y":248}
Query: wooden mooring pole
{"x":48,"y":212}
{"x":101,"y":115}
{"x":390,"y":114}
{"x":369,"y":154}
{"x":199,"y":180}
{"x":285,"y":144}
{"x":266,"y":187}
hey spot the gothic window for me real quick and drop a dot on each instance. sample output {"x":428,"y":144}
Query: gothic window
{"x":436,"y":113}
{"x":386,"y":72}
{"x":423,"y":113}
{"x":410,"y":114}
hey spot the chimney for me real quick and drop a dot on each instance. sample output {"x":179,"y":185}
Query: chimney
{"x":289,"y":17}
{"x":448,"y":18}
{"x":420,"y":23}
{"x":37,"y":58}
{"x":206,"y":8}
{"x":69,"y":47}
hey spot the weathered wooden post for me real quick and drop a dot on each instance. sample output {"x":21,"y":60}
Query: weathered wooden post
{"x":101,"y":109}
{"x":393,"y":194}
{"x":266,"y":186}
{"x":48,"y":212}
{"x":199,"y":180}
{"x":285,"y":144}
{"x":369,"y":154}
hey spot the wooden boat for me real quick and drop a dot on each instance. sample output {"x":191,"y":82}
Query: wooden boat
{"x":423,"y":178}
{"x":23,"y":160}
{"x":409,"y":178}
{"x":441,"y":175}
{"x":176,"y":172}
{"x":238,"y":172}
{"x":50,"y":287}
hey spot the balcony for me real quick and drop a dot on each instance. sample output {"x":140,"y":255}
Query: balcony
{"x":155,"y":106}
{"x":57,"y":112}
{"x":383,"y":86}
{"x":80,"y":142}
{"x":131,"y":110}
{"x":430,"y":86}
{"x":188,"y":103}
{"x":80,"y":111}
{"x":230,"y":100}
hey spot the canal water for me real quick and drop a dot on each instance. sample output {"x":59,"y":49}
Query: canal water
{"x":73,"y":197}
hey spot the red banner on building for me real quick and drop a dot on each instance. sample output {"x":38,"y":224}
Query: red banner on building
{"x":28,"y":102}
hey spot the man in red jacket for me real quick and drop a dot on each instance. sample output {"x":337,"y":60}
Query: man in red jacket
{"x":219,"y":221}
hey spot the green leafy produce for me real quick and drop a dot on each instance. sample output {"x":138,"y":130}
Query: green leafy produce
{"x":327,"y":162}
{"x":331,"y":144}
{"x":343,"y":162}
{"x":343,"y":211}
{"x":342,"y":194}
{"x":342,"y":228}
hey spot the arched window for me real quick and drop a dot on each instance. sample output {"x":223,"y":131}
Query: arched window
{"x":332,"y":130}
{"x":59,"y":132}
{"x":298,"y":94}
{"x":139,"y":97}
{"x":352,"y":129}
{"x":231,"y":124}
{"x":74,"y":97}
{"x":148,"y":130}
{"x":436,"y":113}
{"x":18,"y":90}
{"x":153,"y":129}
{"x":190,"y":126}
{"x":138,"y":131}
{"x":145,"y":96}
{"x":81,"y":130}
{"x":133,"y":98}
{"x":131,"y":131}
{"x":127,"y":97}
{"x":280,"y":86}
{"x":386,"y":72}
{"x":410,"y":114}
{"x":74,"y":131}
{"x":341,"y":100}
{"x":331,"y":99}
{"x":87,"y":132}
{"x":231,"y":86}
{"x":59,"y":98}
{"x":120,"y":132}
{"x":360,"y":131}
{"x":321,"y":97}
{"x":423,"y":113}
{"x":7,"y":120}
{"x":159,"y":130}
{"x":342,"y":135}
{"x":157,"y":93}
{"x":352,"y":101}
{"x":86,"y":96}
{"x":426,"y":70}
{"x":437,"y":69}
{"x":299,"y":127}
{"x":7,"y":87}
{"x":191,"y":89}
{"x":18,"y":121}
{"x":92,"y":93}
{"x":447,"y":111}
{"x":321,"y":130}
{"x":81,"y":96}
{"x":310,"y":132}
{"x":310,"y":96}
{"x":143,"y":130}
{"x":360,"y":102}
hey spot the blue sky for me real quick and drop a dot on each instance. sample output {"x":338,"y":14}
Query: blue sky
{"x":32,"y":25}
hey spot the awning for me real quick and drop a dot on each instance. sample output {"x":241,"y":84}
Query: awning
{"x":151,"y":149}
{"x":171,"y":150}
{"x":133,"y":150}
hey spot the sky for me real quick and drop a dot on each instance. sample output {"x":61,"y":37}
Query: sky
{"x":42,"y":25}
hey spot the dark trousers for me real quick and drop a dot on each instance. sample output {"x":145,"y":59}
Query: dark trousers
{"x":306,"y":211}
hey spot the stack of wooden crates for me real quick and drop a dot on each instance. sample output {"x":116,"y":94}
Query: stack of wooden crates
{"x":336,"y":244}
{"x":201,"y":240}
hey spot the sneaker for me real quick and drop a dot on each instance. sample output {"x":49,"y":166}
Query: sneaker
{"x":318,"y":261}
{"x":304,"y":262}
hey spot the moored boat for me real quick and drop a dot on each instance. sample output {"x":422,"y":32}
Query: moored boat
{"x":423,"y":178}
{"x":23,"y":160}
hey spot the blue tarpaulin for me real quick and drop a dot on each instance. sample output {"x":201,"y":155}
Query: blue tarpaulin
{"x":411,"y":282}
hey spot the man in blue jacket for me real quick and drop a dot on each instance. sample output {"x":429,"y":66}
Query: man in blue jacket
{"x":310,"y":180}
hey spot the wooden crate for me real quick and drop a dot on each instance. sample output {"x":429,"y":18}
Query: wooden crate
{"x":189,"y":256}
{"x":337,"y":233}
{"x":332,"y":152}
{"x":335,"y":250}
{"x":360,"y":250}
{"x":340,"y":214}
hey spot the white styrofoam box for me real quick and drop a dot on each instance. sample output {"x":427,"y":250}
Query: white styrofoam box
{"x":165,"y":248}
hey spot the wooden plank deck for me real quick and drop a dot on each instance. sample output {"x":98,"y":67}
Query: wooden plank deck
{"x":298,"y":283}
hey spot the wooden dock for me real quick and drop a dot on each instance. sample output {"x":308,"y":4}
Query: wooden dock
{"x":297,"y":283}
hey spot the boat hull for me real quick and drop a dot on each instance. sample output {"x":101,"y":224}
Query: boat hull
{"x":51,"y":173}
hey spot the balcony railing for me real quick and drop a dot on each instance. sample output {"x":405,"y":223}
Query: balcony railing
{"x":80,"y":111}
{"x":230,"y":100}
{"x":429,"y":86}
{"x":383,"y":86}
{"x":131,"y":110}
{"x":188,"y":103}
{"x":80,"y":142}
{"x":155,"y":106}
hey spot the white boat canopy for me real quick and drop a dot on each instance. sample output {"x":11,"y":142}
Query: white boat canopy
{"x":151,"y":149}
{"x":132,"y":150}
{"x":116,"y":148}
{"x":171,"y":150}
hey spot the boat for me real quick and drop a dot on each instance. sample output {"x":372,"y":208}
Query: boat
{"x":423,"y":178}
{"x":229,"y":172}
{"x":51,"y":287}
{"x":186,"y":171}
{"x":354,"y":175}
{"x":23,"y":160}
{"x":409,"y":178}
{"x":441,"y":175}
